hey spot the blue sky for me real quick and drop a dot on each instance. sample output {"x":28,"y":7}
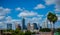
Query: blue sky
{"x":32,"y":10}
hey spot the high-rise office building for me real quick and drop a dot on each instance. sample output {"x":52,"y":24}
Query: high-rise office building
{"x":18,"y":26}
{"x":35,"y":26}
{"x":23,"y":24}
{"x":28,"y":26}
{"x":45,"y":25}
{"x":32,"y":28}
{"x":9,"y":26}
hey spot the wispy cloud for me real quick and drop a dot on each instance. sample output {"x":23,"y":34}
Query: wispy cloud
{"x":39,"y":6}
{"x":34,"y":20}
{"x":27,"y":13}
{"x":19,"y":9}
{"x":58,"y":10}
{"x":4,"y":11}
{"x":58,"y":18}
{"x":49,"y":2}
{"x":2,"y":17}
{"x":2,"y":25}
{"x":8,"y":19}
{"x":57,"y":7}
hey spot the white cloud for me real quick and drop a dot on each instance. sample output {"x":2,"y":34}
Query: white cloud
{"x":57,"y":2}
{"x":46,"y":20}
{"x":39,"y":6}
{"x":58,"y":18}
{"x":26,"y":13}
{"x":2,"y":17}
{"x":15,"y":21}
{"x":12,"y":21}
{"x":36,"y":18}
{"x":40,"y":15}
{"x":57,"y":10}
{"x":1,"y":8}
{"x":19,"y":9}
{"x":4,"y":11}
{"x":57,"y":6}
{"x":8,"y":19}
{"x":57,"y":15}
{"x":7,"y":10}
{"x":49,"y":2}
{"x":1,"y":23}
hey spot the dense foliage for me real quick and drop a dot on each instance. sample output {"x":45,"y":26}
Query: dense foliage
{"x":58,"y":30}
{"x":45,"y":30}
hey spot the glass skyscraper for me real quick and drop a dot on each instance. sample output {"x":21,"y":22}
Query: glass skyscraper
{"x":35,"y":25}
{"x":9,"y":26}
{"x":23,"y":24}
{"x":19,"y":27}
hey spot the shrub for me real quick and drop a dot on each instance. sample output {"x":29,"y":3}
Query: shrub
{"x":27,"y":33}
{"x":45,"y":30}
{"x":58,"y":30}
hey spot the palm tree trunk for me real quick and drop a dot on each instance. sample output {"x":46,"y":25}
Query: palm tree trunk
{"x":52,"y":28}
{"x":51,"y":25}
{"x":47,"y":23}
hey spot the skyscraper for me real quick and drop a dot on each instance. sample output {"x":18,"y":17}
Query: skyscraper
{"x":23,"y":24}
{"x":28,"y":26}
{"x":9,"y":26}
{"x":35,"y":26}
{"x":32,"y":28}
{"x":18,"y":26}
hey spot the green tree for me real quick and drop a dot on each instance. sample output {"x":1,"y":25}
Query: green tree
{"x":45,"y":30}
{"x":28,"y":33}
{"x":17,"y":32}
{"x":52,"y":18}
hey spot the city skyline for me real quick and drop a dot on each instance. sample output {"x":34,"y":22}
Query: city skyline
{"x":34,"y":11}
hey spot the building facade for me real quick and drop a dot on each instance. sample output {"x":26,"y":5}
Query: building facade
{"x":9,"y":26}
{"x":28,"y":26}
{"x":23,"y":24}
{"x":35,"y":26}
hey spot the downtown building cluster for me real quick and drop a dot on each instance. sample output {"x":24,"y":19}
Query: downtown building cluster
{"x":30,"y":26}
{"x":33,"y":27}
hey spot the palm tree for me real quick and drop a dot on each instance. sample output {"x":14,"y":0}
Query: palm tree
{"x":52,"y":18}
